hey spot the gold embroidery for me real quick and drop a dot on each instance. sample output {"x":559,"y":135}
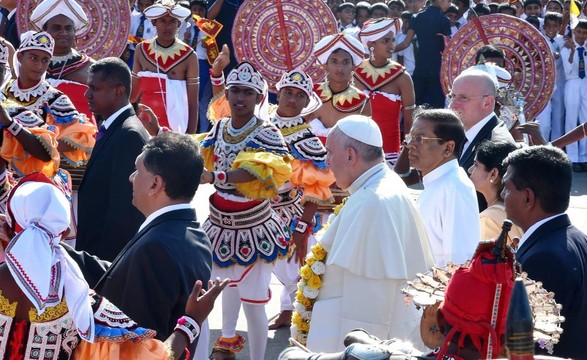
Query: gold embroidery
{"x":350,"y":95}
{"x":176,"y":50}
{"x":6,"y":307}
{"x":294,"y":129}
{"x":375,"y":73}
{"x":51,"y":313}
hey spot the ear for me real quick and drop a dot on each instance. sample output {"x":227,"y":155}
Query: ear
{"x":449,"y":149}
{"x":352,"y":156}
{"x":494,"y":175}
{"x":260,"y":98}
{"x":530,"y":199}
{"x":157,"y":185}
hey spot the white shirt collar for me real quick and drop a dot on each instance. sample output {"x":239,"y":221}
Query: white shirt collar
{"x":113,"y":117}
{"x":474,"y":130}
{"x":362,"y":180}
{"x":533,"y":228}
{"x":440,"y":171}
{"x":11,"y":14}
{"x":162,"y":211}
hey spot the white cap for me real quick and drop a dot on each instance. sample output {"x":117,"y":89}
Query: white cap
{"x":330,"y":43}
{"x":361,"y":128}
{"x":48,"y":9}
{"x":500,"y":76}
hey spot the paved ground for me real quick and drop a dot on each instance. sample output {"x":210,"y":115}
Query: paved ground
{"x":278,"y":339}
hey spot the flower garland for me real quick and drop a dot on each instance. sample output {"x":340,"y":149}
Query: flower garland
{"x":309,"y":288}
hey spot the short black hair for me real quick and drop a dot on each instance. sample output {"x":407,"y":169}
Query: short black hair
{"x":466,"y":3}
{"x":203,"y":3}
{"x":363,"y":5}
{"x":507,"y":8}
{"x":447,"y":126}
{"x":113,"y":69}
{"x":482,"y":9}
{"x":582,"y":24}
{"x":406,"y":15}
{"x":493,"y":7}
{"x":547,"y":171}
{"x":452,"y":9}
{"x":400,"y":3}
{"x":534,"y":21}
{"x":380,"y":6}
{"x":177,"y":160}
{"x":344,"y":5}
{"x":554,"y":17}
{"x":532,"y":2}
{"x":492,"y":153}
{"x":489,"y":51}
{"x":560,"y":4}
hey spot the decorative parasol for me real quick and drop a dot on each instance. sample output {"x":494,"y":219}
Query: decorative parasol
{"x":279,"y":35}
{"x":527,"y":56}
{"x":109,"y":27}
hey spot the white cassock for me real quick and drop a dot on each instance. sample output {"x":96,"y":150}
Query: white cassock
{"x":375,"y":244}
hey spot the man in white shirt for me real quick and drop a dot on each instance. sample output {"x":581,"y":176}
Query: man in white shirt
{"x":375,"y":243}
{"x":448,"y":204}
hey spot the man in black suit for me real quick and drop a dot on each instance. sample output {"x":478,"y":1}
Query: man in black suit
{"x":537,"y":187}
{"x":473,"y":98}
{"x":151,"y":279}
{"x":9,"y":25}
{"x":107,"y":220}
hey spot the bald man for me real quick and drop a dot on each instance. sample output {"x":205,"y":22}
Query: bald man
{"x":473,"y":98}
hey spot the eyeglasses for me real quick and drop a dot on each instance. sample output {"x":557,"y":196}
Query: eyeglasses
{"x":419,"y":139}
{"x":462,"y":98}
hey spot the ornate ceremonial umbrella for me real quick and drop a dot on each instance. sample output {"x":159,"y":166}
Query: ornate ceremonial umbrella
{"x":279,"y":35}
{"x":528,"y":57}
{"x":109,"y":27}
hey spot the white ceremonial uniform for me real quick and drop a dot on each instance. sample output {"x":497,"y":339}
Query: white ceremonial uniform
{"x":149,"y":30}
{"x":575,"y":103}
{"x":450,"y":212}
{"x":552,"y":118}
{"x":376,"y":243}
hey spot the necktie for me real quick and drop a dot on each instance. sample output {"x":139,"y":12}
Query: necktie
{"x":458,"y":25}
{"x":581,"y":52}
{"x":101,"y":132}
{"x":141,"y":28}
{"x":551,"y":40}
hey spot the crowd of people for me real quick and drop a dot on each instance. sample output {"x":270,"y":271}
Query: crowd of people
{"x":102,"y":254}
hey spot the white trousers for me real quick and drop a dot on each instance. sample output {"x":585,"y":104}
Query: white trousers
{"x":576,"y":113}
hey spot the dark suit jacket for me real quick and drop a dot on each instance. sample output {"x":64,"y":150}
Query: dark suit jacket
{"x":11,"y":29}
{"x":107,"y":220}
{"x":556,"y":255}
{"x":151,"y":279}
{"x":495,"y":130}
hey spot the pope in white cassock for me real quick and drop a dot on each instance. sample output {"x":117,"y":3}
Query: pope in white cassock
{"x":375,"y":243}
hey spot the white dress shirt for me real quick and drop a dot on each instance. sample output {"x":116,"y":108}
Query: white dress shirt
{"x":474,"y":130}
{"x":106,"y":123}
{"x":162,"y":211}
{"x":450,"y":212}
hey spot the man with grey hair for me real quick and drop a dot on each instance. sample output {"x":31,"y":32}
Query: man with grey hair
{"x":375,"y":243}
{"x":473,"y":98}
